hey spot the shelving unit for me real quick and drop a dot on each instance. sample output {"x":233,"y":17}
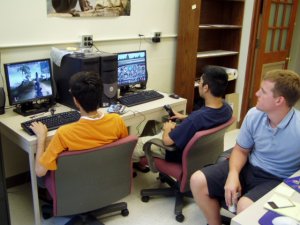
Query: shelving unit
{"x":209,"y":33}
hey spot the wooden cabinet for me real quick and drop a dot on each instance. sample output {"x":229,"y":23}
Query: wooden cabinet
{"x":209,"y":33}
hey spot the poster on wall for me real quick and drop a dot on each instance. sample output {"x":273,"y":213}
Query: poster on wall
{"x":88,"y":8}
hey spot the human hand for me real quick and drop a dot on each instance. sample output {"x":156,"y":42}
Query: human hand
{"x":232,"y":189}
{"x":178,"y":116}
{"x":39,"y":129}
{"x":168,"y":126}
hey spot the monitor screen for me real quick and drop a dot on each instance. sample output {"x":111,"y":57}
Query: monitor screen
{"x":132,"y":68}
{"x":28,"y":81}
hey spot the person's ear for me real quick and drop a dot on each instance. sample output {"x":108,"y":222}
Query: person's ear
{"x":205,"y":87}
{"x":76,"y":103}
{"x":280,"y":100}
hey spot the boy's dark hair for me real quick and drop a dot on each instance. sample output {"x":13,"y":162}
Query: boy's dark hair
{"x":216,"y":78}
{"x":87,"y":88}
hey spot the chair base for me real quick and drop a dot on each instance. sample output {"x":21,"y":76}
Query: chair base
{"x":172,"y":191}
{"x":89,"y":218}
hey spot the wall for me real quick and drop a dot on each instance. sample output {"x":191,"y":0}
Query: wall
{"x":295,"y":50}
{"x":30,"y":34}
{"x":27,"y":33}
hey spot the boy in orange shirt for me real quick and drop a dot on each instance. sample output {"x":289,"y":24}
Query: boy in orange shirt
{"x":93,"y":129}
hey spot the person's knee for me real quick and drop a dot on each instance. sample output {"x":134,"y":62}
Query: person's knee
{"x":243,"y":203}
{"x":198,"y":182}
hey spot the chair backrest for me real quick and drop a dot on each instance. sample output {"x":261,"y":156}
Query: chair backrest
{"x":90,"y":179}
{"x":202,"y":150}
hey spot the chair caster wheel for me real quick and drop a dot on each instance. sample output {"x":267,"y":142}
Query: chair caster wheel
{"x":180,"y":218}
{"x":125,"y":212}
{"x":47,"y":211}
{"x":145,"y":199}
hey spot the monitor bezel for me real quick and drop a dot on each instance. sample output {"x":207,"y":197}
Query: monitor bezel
{"x":143,"y":84}
{"x":35,"y":99}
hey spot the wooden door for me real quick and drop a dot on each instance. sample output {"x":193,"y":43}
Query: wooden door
{"x":273,"y":28}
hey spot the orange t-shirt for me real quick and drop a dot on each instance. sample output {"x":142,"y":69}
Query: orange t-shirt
{"x":83,"y":134}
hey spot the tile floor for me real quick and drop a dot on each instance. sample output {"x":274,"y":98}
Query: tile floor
{"x":157,"y":211}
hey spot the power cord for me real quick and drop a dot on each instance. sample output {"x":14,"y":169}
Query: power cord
{"x":138,"y":126}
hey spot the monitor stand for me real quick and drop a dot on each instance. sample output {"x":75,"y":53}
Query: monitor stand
{"x":30,"y":108}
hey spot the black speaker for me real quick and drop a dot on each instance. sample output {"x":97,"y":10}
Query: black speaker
{"x":2,"y":101}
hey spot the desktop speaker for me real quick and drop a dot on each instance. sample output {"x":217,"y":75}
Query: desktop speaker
{"x":2,"y":101}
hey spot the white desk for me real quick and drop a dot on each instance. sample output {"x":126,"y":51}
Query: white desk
{"x":251,"y":215}
{"x":136,"y":116}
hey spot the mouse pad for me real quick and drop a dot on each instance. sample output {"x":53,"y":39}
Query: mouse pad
{"x":267,"y":218}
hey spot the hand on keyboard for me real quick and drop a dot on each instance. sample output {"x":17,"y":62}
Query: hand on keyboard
{"x":52,"y":122}
{"x":39,"y":129}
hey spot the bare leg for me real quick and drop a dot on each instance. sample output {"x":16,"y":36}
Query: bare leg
{"x":209,"y":206}
{"x":243,"y":203}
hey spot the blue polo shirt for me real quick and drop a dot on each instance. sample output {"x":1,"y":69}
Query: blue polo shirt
{"x":275,"y":150}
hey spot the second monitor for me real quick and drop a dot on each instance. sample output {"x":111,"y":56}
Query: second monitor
{"x":132,"y":70}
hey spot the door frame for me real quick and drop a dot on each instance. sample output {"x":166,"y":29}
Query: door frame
{"x":250,"y":60}
{"x":249,"y":78}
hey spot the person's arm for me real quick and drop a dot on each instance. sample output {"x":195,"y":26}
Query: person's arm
{"x":168,"y":127}
{"x":237,"y":160}
{"x":40,"y":131}
{"x":179,"y":116}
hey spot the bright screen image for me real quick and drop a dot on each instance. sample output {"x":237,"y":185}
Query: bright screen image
{"x":28,"y":81}
{"x":132,"y":68}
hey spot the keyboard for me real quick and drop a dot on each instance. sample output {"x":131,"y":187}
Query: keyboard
{"x":140,"y":97}
{"x":53,"y":121}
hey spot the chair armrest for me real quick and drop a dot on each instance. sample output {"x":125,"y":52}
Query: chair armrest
{"x":148,"y":153}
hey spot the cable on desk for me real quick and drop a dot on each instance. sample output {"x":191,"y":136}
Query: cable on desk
{"x":138,"y":126}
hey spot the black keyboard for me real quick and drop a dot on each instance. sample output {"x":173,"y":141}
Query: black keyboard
{"x":53,"y":121}
{"x":140,"y":97}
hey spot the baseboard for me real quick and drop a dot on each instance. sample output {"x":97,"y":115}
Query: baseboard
{"x":18,"y":179}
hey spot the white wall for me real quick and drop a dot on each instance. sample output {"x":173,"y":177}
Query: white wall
{"x":295,"y":50}
{"x":27,"y":33}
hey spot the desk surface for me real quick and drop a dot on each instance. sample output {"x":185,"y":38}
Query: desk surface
{"x":135,"y":118}
{"x":139,"y":114}
{"x":251,"y":215}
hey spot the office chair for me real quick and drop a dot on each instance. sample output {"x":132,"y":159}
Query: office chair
{"x":202,"y":150}
{"x":87,"y":182}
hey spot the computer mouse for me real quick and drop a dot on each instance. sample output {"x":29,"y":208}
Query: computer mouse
{"x":284,"y":220}
{"x":174,"y":96}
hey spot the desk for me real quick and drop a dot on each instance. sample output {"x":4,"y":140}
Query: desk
{"x":251,"y":215}
{"x":135,"y":117}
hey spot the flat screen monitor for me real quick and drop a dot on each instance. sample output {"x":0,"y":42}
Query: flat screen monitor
{"x":29,"y":85}
{"x":132,"y":69}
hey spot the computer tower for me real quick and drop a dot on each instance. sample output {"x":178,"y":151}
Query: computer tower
{"x":105,"y":64}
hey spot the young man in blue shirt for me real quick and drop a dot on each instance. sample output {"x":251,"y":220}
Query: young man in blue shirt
{"x":267,"y":150}
{"x":212,"y":88}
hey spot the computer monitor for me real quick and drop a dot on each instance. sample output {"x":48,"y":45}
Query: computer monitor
{"x":29,"y":85}
{"x":132,"y":70}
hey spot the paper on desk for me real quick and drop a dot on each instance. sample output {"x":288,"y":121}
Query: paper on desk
{"x":57,"y":55}
{"x":293,"y":212}
{"x":284,"y":190}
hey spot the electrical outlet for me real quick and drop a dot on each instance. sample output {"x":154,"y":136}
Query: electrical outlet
{"x":156,"y":37}
{"x":86,"y":41}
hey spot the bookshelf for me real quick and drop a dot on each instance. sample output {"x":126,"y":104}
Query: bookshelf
{"x":209,"y":33}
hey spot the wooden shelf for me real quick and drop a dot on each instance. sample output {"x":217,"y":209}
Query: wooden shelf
{"x":219,"y":26}
{"x":215,"y":53}
{"x":209,"y":33}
